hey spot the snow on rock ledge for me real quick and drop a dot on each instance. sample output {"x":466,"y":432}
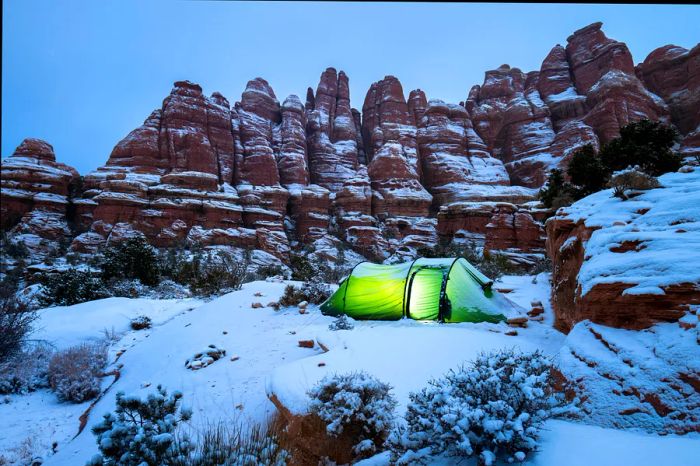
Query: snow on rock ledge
{"x":628,"y":263}
{"x":647,"y":379}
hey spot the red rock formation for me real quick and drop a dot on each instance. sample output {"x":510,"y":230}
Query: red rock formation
{"x":332,"y":134}
{"x":582,"y":94}
{"x":619,"y":99}
{"x":309,"y":207}
{"x":556,"y":87}
{"x":673,"y":73}
{"x":513,"y":228}
{"x":292,"y":158}
{"x":257,"y":112}
{"x":578,"y":241}
{"x":259,"y":173}
{"x":389,"y":133}
{"x":352,"y":209}
{"x":35,"y":195}
{"x":171,"y":178}
{"x":592,"y":55}
{"x":452,"y":154}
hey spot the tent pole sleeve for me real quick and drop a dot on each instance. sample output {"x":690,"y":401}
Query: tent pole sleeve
{"x":345,"y":291}
{"x":404,"y":304}
{"x":443,"y":292}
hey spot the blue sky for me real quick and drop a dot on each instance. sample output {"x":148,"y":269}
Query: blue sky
{"x":82,"y":74}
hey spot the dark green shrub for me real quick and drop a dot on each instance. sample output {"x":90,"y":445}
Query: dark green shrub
{"x":557,"y":192}
{"x":131,"y":259}
{"x":302,"y":268}
{"x":71,"y":287}
{"x":587,"y":172}
{"x":647,"y":144}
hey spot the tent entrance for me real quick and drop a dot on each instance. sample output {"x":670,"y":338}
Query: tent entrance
{"x":423,"y":294}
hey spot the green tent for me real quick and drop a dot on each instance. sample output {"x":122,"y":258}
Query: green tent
{"x":448,"y":290}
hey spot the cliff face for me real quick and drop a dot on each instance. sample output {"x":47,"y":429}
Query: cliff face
{"x":628,"y":263}
{"x":387,"y":180}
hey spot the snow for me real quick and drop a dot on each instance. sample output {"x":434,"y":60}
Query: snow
{"x":263,"y":356}
{"x":664,"y":221}
{"x":65,"y":326}
{"x":567,"y":94}
{"x":630,"y":369}
{"x":571,"y":444}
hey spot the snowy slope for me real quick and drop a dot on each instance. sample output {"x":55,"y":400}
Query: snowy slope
{"x":403,"y":353}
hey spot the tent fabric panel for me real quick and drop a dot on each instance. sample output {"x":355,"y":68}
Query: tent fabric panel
{"x":333,"y":306}
{"x":424,"y":294}
{"x":376,"y":291}
{"x":482,"y":279}
{"x":468,"y":301}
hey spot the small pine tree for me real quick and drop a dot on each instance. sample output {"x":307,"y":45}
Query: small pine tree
{"x":131,"y":259}
{"x":302,"y":268}
{"x":587,"y":171}
{"x":557,"y":192}
{"x":647,"y":144}
{"x":142,"y":432}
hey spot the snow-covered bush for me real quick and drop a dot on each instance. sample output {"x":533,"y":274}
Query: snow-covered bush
{"x":236,"y":444}
{"x":140,"y":322}
{"x":74,"y":374}
{"x":142,"y":432}
{"x":491,"y":409}
{"x":356,"y":406}
{"x":221,"y":272}
{"x":632,"y":179}
{"x":341,"y":323}
{"x":71,"y":287}
{"x":311,"y":292}
{"x":127,"y":288}
{"x":26,"y":370}
{"x":168,"y":289}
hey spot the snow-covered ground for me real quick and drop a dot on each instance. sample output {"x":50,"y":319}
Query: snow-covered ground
{"x":263,"y":356}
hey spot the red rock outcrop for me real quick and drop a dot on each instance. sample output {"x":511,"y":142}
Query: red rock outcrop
{"x":618,"y":99}
{"x":673,"y":73}
{"x":332,"y":134}
{"x":513,"y":228}
{"x":627,"y":263}
{"x":583,"y":94}
{"x":292,"y":159}
{"x":35,"y":195}
{"x":592,"y":55}
{"x":399,"y":200}
{"x":387,"y":180}
{"x":171,"y":179}
{"x":257,"y":113}
{"x":453,"y":156}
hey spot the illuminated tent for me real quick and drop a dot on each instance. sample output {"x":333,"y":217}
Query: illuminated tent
{"x":448,"y":290}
